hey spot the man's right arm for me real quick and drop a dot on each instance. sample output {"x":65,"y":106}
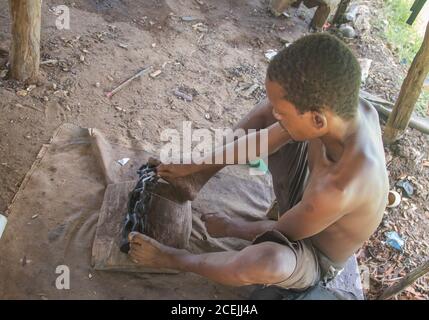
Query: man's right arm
{"x":260,"y":117}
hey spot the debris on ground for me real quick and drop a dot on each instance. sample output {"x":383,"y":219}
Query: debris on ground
{"x":406,"y":187}
{"x":270,"y":54}
{"x":123,"y":161}
{"x":394,"y":240}
{"x":155,"y":74}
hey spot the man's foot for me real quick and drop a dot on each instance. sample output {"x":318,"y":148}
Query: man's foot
{"x":150,"y":253}
{"x":189,"y":186}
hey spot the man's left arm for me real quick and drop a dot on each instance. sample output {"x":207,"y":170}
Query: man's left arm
{"x":313,"y":214}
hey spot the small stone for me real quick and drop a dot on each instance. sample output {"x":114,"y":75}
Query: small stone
{"x":82,"y":58}
{"x":67,"y":107}
{"x":110,"y":78}
{"x":347,"y":31}
{"x":153,"y":45}
{"x":3,"y":74}
{"x":188,"y":18}
{"x":270,"y":54}
{"x":90,"y":276}
{"x":123,"y":46}
{"x":97,"y":84}
{"x":45,"y":98}
{"x":31,"y":87}
{"x":22,"y":93}
{"x":119,"y":109}
{"x":155,"y":73}
{"x":34,"y":216}
{"x":54,"y":86}
{"x":207,"y":116}
{"x":28,"y":137}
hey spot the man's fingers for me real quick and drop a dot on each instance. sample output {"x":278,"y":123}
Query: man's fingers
{"x":163,"y":171}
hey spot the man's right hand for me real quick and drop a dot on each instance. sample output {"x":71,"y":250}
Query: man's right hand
{"x":218,"y":224}
{"x":172,"y":171}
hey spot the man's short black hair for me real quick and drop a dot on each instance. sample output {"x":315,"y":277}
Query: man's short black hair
{"x":318,"y":71}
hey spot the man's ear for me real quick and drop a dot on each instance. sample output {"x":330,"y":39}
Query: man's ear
{"x":319,"y":120}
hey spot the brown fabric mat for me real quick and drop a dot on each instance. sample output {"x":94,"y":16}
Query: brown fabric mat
{"x":65,"y":188}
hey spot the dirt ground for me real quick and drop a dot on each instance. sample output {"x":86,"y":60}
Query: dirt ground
{"x":215,"y":56}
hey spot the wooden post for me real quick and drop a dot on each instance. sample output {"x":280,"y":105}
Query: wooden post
{"x":410,"y":91}
{"x":406,"y":281}
{"x":341,"y":10}
{"x":24,"y":55}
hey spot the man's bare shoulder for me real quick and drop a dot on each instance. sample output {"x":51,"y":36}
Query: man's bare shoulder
{"x":360,"y":175}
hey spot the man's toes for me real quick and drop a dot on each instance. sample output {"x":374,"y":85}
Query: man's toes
{"x":136,"y":254}
{"x":136,"y":237}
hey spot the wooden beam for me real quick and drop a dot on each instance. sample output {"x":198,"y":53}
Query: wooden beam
{"x":410,"y":92}
{"x":406,"y":281}
{"x":24,"y":55}
{"x":341,"y":10}
{"x":415,"y":10}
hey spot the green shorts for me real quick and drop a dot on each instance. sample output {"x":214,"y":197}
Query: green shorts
{"x":312,"y":266}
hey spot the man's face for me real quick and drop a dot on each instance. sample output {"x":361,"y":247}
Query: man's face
{"x":300,"y":126}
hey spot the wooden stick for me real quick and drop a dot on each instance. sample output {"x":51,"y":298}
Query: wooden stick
{"x":126,"y":82}
{"x":341,"y":10}
{"x":410,"y":91}
{"x":408,"y":280}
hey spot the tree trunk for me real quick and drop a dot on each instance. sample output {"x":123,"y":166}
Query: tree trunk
{"x":341,"y":10}
{"x":25,"y":49}
{"x":406,"y":281}
{"x":410,"y":91}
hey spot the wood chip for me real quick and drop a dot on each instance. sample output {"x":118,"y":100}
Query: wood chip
{"x":155,"y":73}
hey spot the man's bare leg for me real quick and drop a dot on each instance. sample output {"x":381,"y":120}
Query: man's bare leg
{"x":263,"y":263}
{"x":258,"y":118}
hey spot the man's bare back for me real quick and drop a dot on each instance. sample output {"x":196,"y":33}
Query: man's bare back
{"x":363,"y":157}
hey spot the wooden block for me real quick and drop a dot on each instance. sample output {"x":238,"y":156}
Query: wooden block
{"x":105,"y":252}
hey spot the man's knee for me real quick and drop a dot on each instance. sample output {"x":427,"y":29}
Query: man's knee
{"x":267,"y":263}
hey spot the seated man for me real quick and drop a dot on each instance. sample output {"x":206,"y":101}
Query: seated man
{"x":329,"y":177}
